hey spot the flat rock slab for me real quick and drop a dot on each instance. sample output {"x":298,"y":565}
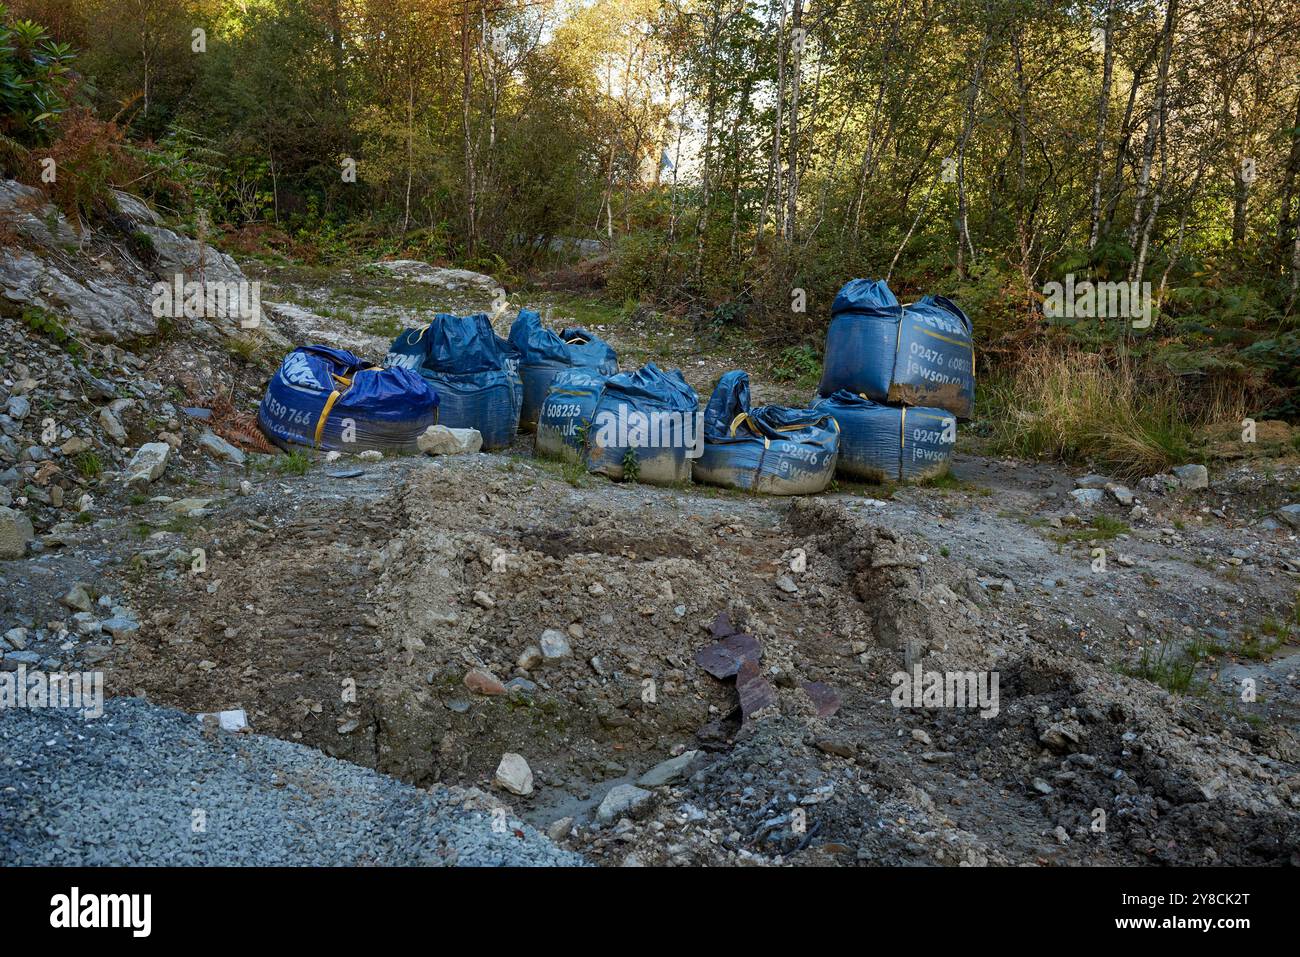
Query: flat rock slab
{"x":756,"y":692}
{"x":824,"y":698}
{"x":725,"y":658}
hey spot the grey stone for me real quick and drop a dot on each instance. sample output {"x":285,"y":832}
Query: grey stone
{"x":120,"y":627}
{"x":1092,"y":480}
{"x":521,"y":686}
{"x":148,"y":463}
{"x":219,"y":448}
{"x":1192,"y":476}
{"x":440,"y":440}
{"x":624,"y":800}
{"x":554,"y":644}
{"x":1088,"y":497}
{"x":514,"y":774}
{"x":1121,"y":493}
{"x":78,"y":598}
{"x":413,"y":270}
{"x":668,"y":771}
{"x":1290,"y":514}
{"x":15,"y":533}
{"x":111,"y":425}
{"x":18,"y":406}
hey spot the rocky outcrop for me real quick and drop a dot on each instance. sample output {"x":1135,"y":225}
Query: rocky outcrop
{"x":454,"y":280}
{"x":98,"y":283}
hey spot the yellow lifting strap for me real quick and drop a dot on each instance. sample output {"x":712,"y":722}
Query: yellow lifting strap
{"x":346,"y":383}
{"x":744,"y":417}
{"x":423,"y":330}
{"x":902,"y":440}
{"x":325,"y":414}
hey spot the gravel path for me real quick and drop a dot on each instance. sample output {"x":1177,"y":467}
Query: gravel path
{"x":123,"y":789}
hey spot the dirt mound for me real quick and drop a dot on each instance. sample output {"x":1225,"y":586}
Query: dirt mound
{"x":357,"y":623}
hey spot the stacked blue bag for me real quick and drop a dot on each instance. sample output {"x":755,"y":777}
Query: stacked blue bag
{"x":470,"y":366}
{"x":921,"y":355}
{"x":330,"y":399}
{"x":897,"y":378}
{"x":543,"y":355}
{"x":881,"y":443}
{"x":643,"y":424}
{"x":769,"y":449}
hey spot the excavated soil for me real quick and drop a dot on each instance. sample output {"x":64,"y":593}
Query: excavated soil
{"x":400,"y":581}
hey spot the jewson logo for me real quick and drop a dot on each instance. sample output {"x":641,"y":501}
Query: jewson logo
{"x":946,"y":689}
{"x":73,"y":910}
{"x":240,"y":300}
{"x":1098,"y":300}
{"x":628,"y":428}
{"x":78,"y":691}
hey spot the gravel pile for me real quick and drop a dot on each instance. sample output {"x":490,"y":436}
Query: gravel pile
{"x":124,"y":789}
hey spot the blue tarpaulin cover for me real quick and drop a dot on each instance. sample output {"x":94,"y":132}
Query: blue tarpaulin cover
{"x":543,"y":354}
{"x":771,"y":449}
{"x":564,"y":423}
{"x":470,"y":366}
{"x":331,"y":399}
{"x":648,"y":417}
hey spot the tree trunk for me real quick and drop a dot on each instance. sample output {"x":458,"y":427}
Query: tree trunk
{"x":467,"y":90}
{"x":1288,"y":213}
{"x":797,"y":41}
{"x":1103,"y":111}
{"x":774,"y":163}
{"x":964,"y":243}
{"x":1154,"y":121}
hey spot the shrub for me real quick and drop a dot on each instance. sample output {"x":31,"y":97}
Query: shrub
{"x":36,"y":82}
{"x":1083,"y":407}
{"x":91,"y":157}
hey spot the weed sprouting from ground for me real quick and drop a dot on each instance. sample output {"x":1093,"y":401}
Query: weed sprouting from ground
{"x":88,"y":464}
{"x":798,"y":365}
{"x":631,"y":466}
{"x":297,"y":462}
{"x":1175,"y":670}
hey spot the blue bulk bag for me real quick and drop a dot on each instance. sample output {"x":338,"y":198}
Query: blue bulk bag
{"x":589,"y":351}
{"x":770,"y":449}
{"x":328,"y":398}
{"x":487,"y":401}
{"x":462,"y":345}
{"x":887,"y":442}
{"x":922,"y":354}
{"x":649,"y":417}
{"x":409,"y":349}
{"x":468,"y":364}
{"x":564,"y":422}
{"x":543,"y":355}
